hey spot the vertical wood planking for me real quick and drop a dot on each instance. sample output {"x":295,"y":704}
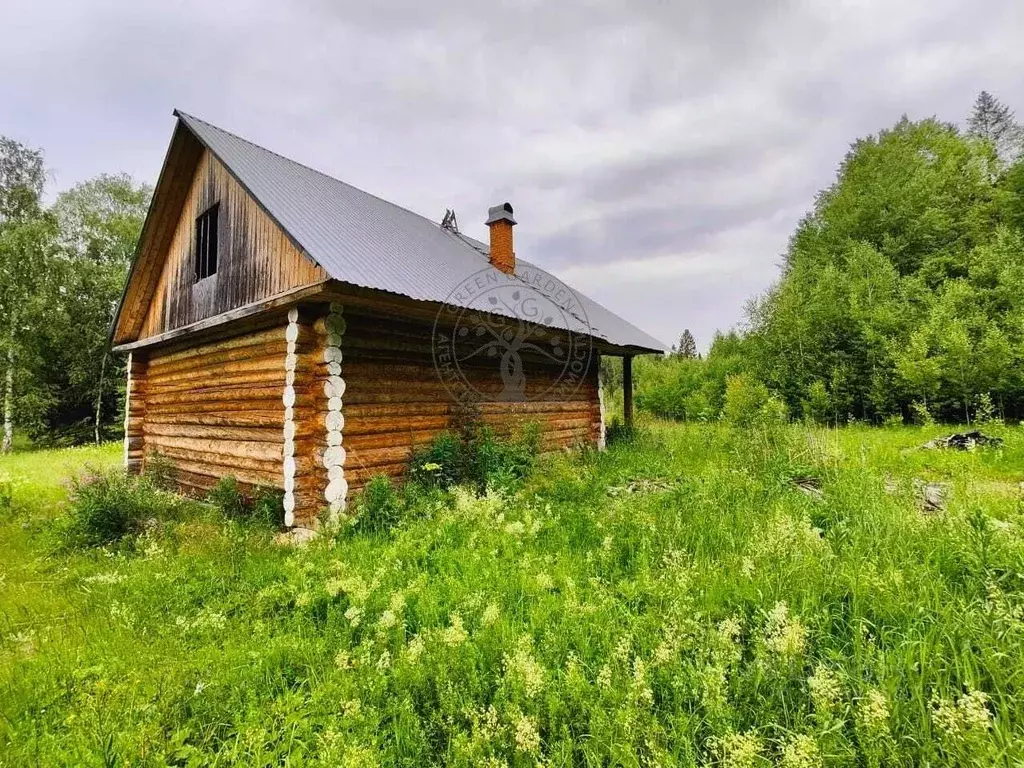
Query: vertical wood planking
{"x":255,"y":258}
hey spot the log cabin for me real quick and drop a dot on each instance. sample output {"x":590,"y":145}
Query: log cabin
{"x":292,"y":331}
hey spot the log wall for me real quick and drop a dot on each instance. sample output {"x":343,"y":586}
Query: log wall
{"x":256,"y":260}
{"x":395,"y":399}
{"x":216,"y":409}
{"x":318,"y":402}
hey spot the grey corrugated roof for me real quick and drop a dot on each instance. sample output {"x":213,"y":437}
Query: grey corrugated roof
{"x":366,"y":241}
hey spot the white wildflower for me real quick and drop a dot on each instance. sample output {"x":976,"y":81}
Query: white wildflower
{"x":784,"y":634}
{"x":544,"y":581}
{"x":351,"y":708}
{"x":801,"y":752}
{"x":527,"y":736}
{"x":873,"y":712}
{"x":738,"y":750}
{"x":967,"y":717}
{"x":455,"y":633}
{"x":521,"y":666}
{"x":490,"y":615}
{"x":826,"y":690}
{"x":415,"y":649}
{"x":343,"y":660}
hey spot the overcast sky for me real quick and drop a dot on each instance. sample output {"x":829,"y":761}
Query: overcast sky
{"x":658,"y":155}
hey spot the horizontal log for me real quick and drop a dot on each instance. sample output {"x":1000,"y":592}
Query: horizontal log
{"x":373,"y":457}
{"x":270,"y":434}
{"x":242,"y":397}
{"x":270,"y":348}
{"x":260,"y":451}
{"x":360,"y":395}
{"x":391,"y":439}
{"x":357,"y":477}
{"x":270,"y":419}
{"x":264,"y":362}
{"x":226,"y":384}
{"x":265,"y":412}
{"x":194,"y":472}
{"x":250,"y":339}
{"x":357,"y":411}
{"x":220,"y":465}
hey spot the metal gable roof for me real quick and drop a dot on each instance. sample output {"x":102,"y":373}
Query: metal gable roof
{"x":368,"y":242}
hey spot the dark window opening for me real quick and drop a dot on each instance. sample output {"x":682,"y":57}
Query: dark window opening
{"x":206,"y":242}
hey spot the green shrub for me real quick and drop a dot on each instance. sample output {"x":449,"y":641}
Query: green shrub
{"x":379,"y":507}
{"x":475,"y":457}
{"x":227,"y":497}
{"x":161,"y":471}
{"x":618,"y":432}
{"x":267,"y":507}
{"x":748,"y":403}
{"x":262,"y":505}
{"x":105,"y":508}
{"x":6,"y":496}
{"x":817,"y":406}
{"x":501,"y":462}
{"x":440,"y":464}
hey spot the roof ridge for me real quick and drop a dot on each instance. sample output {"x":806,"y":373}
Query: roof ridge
{"x":181,"y":114}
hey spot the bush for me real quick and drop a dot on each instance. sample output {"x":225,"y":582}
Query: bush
{"x":267,"y":507}
{"x":161,"y":471}
{"x":6,"y":496}
{"x":749,"y":403}
{"x":379,"y":507}
{"x":106,"y":508}
{"x":617,"y":431}
{"x":502,"y":463}
{"x":262,"y":505}
{"x":476,"y":457}
{"x":227,"y":497}
{"x":817,"y":405}
{"x":440,"y":464}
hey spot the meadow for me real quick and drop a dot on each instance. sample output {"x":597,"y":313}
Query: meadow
{"x":697,"y":595}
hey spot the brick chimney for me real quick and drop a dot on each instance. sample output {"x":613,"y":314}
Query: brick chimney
{"x":499,"y":219}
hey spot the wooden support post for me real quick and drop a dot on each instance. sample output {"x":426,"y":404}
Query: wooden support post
{"x":627,"y":390}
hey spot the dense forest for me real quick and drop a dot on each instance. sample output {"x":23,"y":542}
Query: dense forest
{"x":62,"y":269}
{"x":901,"y":295}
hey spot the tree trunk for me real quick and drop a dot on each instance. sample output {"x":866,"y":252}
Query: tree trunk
{"x":99,"y":396}
{"x":9,"y":391}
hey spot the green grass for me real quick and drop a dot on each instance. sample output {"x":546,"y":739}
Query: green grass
{"x":716,"y":616}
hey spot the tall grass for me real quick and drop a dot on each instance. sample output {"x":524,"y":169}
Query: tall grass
{"x":706,"y":612}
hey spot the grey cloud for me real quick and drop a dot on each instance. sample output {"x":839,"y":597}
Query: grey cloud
{"x":673,"y":144}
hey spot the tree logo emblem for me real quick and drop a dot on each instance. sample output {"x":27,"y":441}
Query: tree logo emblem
{"x":511,"y":338}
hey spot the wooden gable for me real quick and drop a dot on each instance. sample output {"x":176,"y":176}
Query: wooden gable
{"x":256,"y":259}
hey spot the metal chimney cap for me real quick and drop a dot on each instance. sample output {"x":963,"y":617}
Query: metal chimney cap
{"x":501,"y":212}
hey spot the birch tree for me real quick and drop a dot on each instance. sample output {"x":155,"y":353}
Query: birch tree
{"x":99,"y":223}
{"x":22,"y":227}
